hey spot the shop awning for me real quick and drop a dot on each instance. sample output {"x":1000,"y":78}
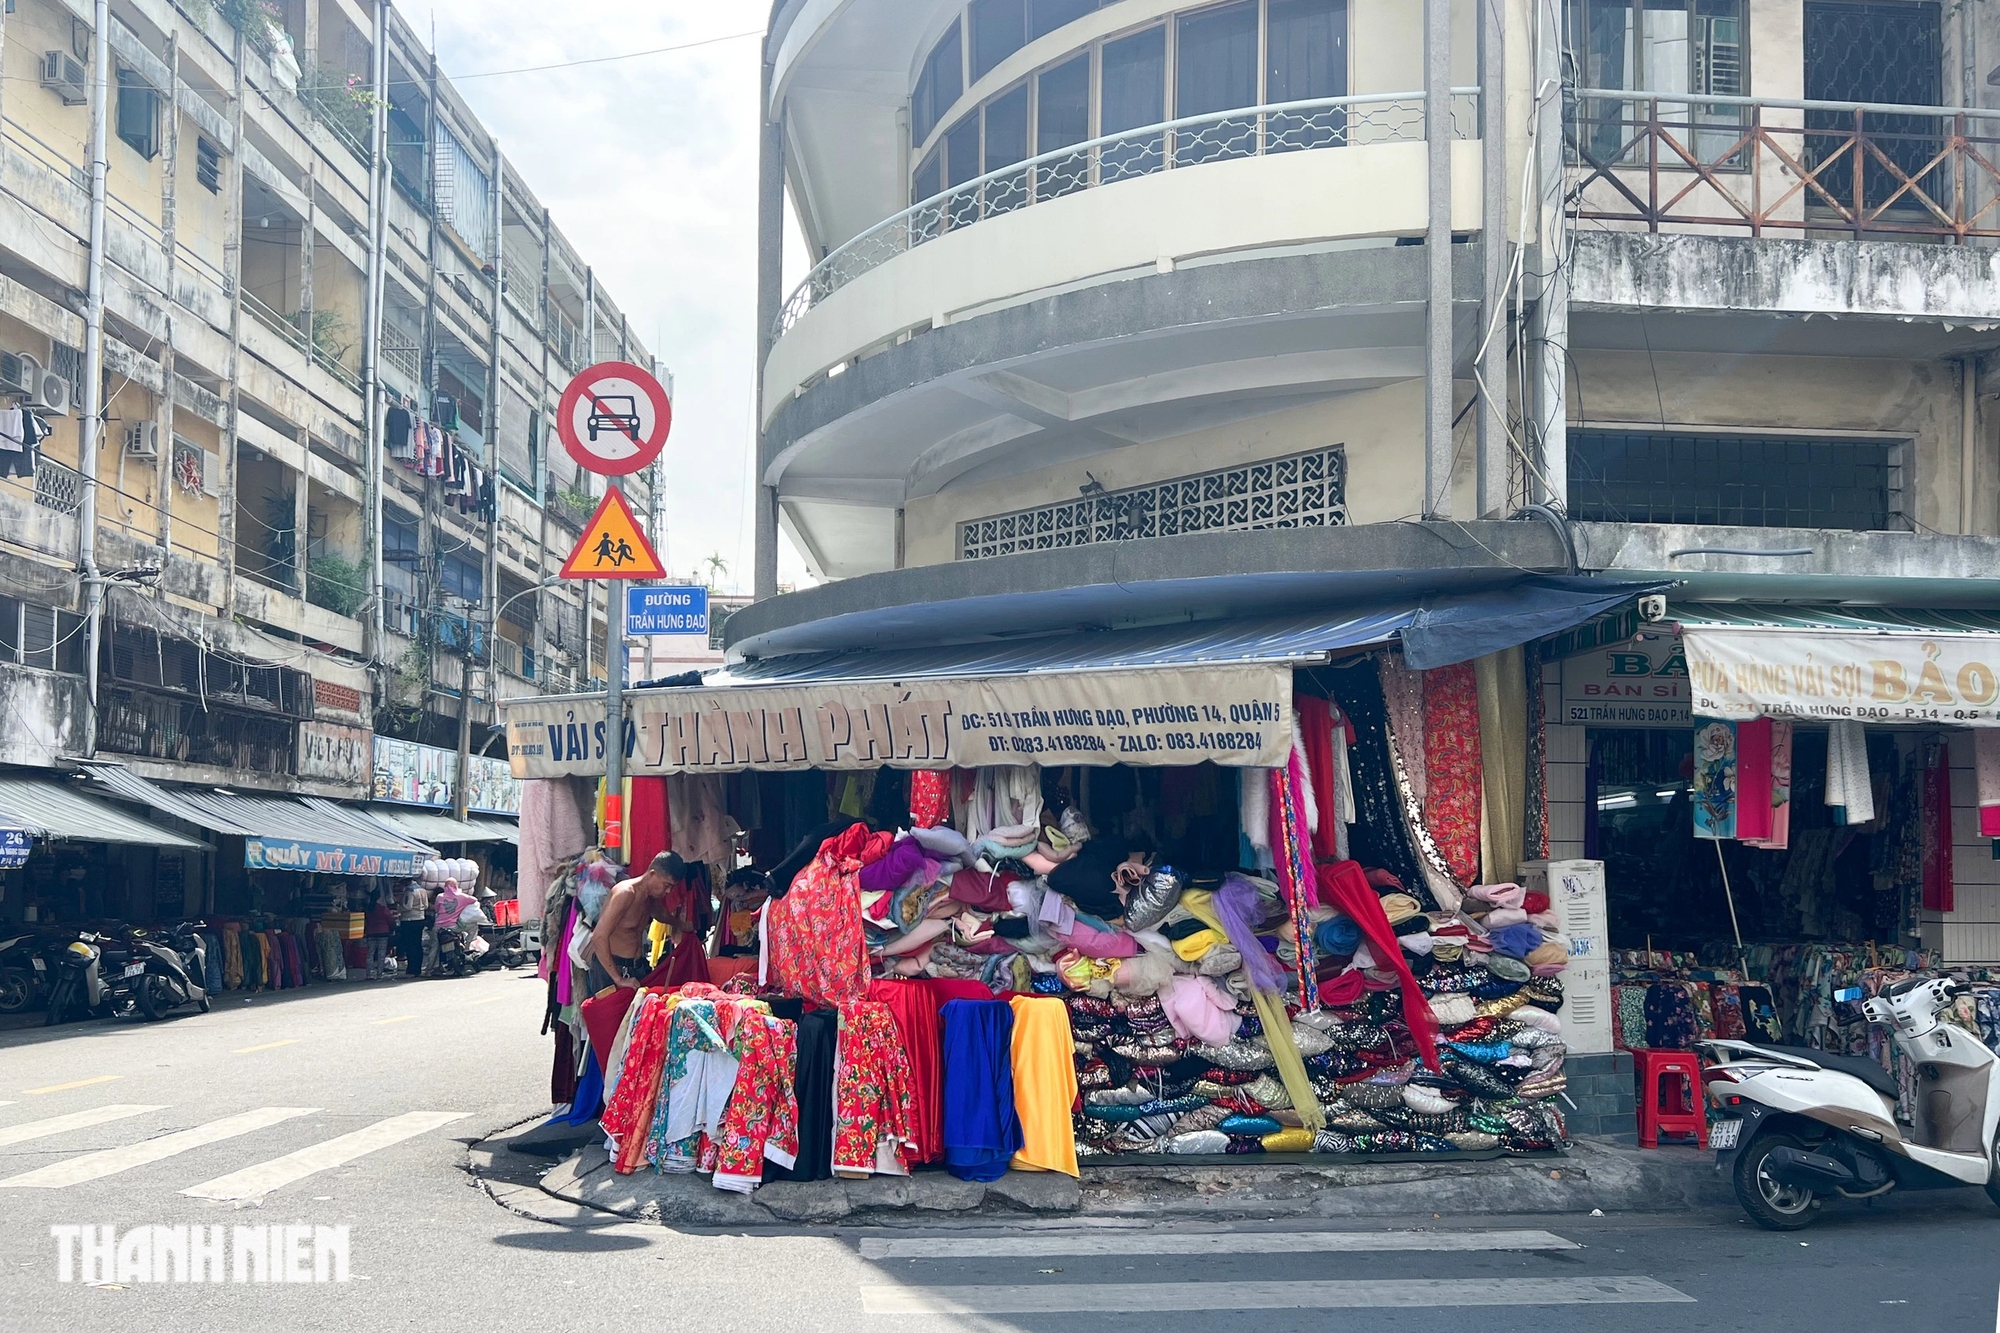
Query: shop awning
{"x":1867,"y":664}
{"x":53,"y":808}
{"x":1435,"y":631}
{"x":436,"y":827}
{"x":279,"y":832}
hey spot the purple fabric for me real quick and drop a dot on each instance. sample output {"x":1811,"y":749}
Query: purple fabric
{"x":1517,"y":941}
{"x":1236,"y":903}
{"x":895,"y":868}
{"x":563,"y":969}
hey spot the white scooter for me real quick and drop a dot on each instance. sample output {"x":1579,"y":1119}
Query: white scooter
{"x":1800,"y":1126}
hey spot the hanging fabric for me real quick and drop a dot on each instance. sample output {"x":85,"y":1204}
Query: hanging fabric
{"x":1753,"y":780}
{"x":1938,"y":886}
{"x":1986,"y":777}
{"x":1291,"y":844}
{"x":1503,"y":730}
{"x":1454,"y":779}
{"x":1848,"y":785}
{"x":1713,"y":789}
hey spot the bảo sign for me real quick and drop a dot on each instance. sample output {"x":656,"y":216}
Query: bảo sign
{"x":1929,"y":679}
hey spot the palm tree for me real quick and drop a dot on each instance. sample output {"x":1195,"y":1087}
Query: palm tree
{"x":717,"y":567}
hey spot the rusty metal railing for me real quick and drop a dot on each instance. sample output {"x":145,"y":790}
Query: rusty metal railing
{"x":1685,"y":161}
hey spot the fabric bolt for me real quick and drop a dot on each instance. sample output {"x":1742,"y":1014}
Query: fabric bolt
{"x":1292,"y":850}
{"x":1343,"y":886}
{"x":1753,"y":780}
{"x":1938,"y":888}
{"x":628,"y":1114}
{"x":1316,"y":733}
{"x":1454,"y":776}
{"x":914,"y":1006}
{"x":1044,"y":1071}
{"x":1502,"y":684}
{"x":1382,"y":834}
{"x":761,"y":1122}
{"x":1780,"y":838}
{"x":1986,"y":779}
{"x":874,"y":1121}
{"x":1848,"y":785}
{"x":1199,"y":1009}
{"x":813,"y":935}
{"x":647,"y":830}
{"x":692,"y":1091}
{"x":982,"y":1125}
{"x":817,"y":1043}
{"x":1254,"y":815}
{"x":1403,"y":694}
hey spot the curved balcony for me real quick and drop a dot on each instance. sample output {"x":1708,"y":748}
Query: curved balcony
{"x":1269,"y":177}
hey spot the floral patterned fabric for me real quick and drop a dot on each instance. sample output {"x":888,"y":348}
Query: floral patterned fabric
{"x":1671,"y":1024}
{"x":1454,"y":779}
{"x":685,"y":1079}
{"x":874,"y":1114}
{"x":930,"y":798}
{"x":762,"y":1120}
{"x":813,"y":934}
{"x":629,"y":1114}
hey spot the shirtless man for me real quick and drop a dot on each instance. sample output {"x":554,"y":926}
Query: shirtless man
{"x":618,"y":944}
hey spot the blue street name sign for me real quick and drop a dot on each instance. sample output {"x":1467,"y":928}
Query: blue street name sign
{"x":666,"y":609}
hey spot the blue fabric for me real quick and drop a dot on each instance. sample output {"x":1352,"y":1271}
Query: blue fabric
{"x":982,"y":1132}
{"x":1337,"y":936}
{"x":589,"y":1097}
{"x":1517,"y":941}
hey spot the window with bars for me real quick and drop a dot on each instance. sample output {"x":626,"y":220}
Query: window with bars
{"x":1752,"y":481}
{"x":1303,"y":491}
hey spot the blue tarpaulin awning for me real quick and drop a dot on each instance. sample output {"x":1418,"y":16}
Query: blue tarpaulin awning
{"x":1435,"y":631}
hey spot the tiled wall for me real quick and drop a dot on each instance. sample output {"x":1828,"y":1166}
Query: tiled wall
{"x":1568,"y":749}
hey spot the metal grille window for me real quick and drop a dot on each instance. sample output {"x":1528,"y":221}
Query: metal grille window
{"x":1883,"y":53}
{"x":1302,"y":491}
{"x":1753,"y":481}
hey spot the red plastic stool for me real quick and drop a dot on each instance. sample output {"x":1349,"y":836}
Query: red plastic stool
{"x":1664,"y":1075}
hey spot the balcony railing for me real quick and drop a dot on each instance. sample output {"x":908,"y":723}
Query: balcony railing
{"x":1288,"y":127}
{"x":1864,"y":168}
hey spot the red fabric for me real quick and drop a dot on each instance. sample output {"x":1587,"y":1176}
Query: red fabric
{"x":1938,"y":894}
{"x":947,"y":989}
{"x":1342,"y":885}
{"x":1753,"y":779}
{"x":722,"y":969}
{"x":602,"y":1013}
{"x":648,"y":828}
{"x":981,"y":890}
{"x":875,"y":846}
{"x":1343,"y":990}
{"x":930,"y":798}
{"x":813,"y":934}
{"x":915,"y":1008}
{"x":1455,"y":783}
{"x":1532,"y":903}
{"x":1316,"y":727}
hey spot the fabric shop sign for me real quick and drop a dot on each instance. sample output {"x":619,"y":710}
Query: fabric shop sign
{"x":1237,"y":715}
{"x":1641,"y":682}
{"x":1928,"y":679}
{"x":327,"y":859}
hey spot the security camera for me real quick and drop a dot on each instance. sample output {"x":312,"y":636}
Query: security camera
{"x":1653,"y":609}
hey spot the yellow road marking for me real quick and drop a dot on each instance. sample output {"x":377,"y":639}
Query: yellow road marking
{"x":80,"y":1083}
{"x":491,"y":999}
{"x":400,"y":1018}
{"x":267,"y":1046}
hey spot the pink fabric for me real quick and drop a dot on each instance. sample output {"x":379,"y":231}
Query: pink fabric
{"x":1200,"y":1010}
{"x":1500,"y":895}
{"x":1753,"y":779}
{"x":1094,"y":943}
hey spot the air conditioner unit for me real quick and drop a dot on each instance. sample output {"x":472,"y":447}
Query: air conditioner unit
{"x":51,"y":395}
{"x":142,"y":439}
{"x":62,"y":74}
{"x":17,"y":373}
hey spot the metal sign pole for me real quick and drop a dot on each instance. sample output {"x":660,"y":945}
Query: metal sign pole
{"x":614,"y":704}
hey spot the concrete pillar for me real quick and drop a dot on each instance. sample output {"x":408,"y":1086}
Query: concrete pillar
{"x":1437,"y":249}
{"x":770,"y":302}
{"x":1548,"y":331}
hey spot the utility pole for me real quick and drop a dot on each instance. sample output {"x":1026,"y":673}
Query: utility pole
{"x":91,"y":421}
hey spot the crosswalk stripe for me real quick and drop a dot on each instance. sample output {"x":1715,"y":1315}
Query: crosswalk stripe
{"x":1181,"y":1297}
{"x":254,"y":1182}
{"x":62,"y":1124}
{"x":96,"y":1165}
{"x":1211,"y":1242}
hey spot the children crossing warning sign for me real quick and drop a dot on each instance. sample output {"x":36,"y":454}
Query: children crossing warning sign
{"x":612,"y":546}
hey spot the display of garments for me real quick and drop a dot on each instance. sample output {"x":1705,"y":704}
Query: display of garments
{"x":817,"y":1041}
{"x":1044,"y":1068}
{"x":982,"y":1126}
{"x":761,"y":1122}
{"x":874,"y":1113}
{"x":647,"y":831}
{"x":702,"y":829}
{"x":1454,"y":777}
{"x":628,"y":1115}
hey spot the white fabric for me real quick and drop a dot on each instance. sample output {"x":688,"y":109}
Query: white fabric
{"x":1254,"y":811}
{"x":1847,"y":781}
{"x":696,"y":1099}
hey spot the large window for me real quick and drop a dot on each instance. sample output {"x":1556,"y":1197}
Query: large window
{"x":1660,"y":46}
{"x":1045,"y":16}
{"x":999,"y":29}
{"x":1215,"y":69}
{"x":1132,"y":93}
{"x":1305,"y":59}
{"x":1062,"y":97}
{"x":938,"y":86}
{"x":138,"y":113}
{"x":1752,"y":481}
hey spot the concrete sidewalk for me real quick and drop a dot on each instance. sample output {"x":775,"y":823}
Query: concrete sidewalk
{"x":1595,"y":1174}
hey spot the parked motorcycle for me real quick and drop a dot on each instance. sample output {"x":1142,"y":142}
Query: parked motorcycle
{"x":164,"y":972}
{"x":463,"y":951}
{"x":79,"y":982}
{"x":25,"y":975}
{"x":1801,"y":1126}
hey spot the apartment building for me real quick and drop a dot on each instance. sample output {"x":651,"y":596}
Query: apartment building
{"x":335,"y":320}
{"x":1138,"y":314}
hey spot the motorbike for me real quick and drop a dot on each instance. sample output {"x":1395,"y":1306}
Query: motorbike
{"x":164,"y":972}
{"x":1799,"y":1127}
{"x":79,"y":982}
{"x":463,"y":951}
{"x":25,"y":974}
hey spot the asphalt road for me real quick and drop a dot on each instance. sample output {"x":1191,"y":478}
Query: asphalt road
{"x":354,"y":1105}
